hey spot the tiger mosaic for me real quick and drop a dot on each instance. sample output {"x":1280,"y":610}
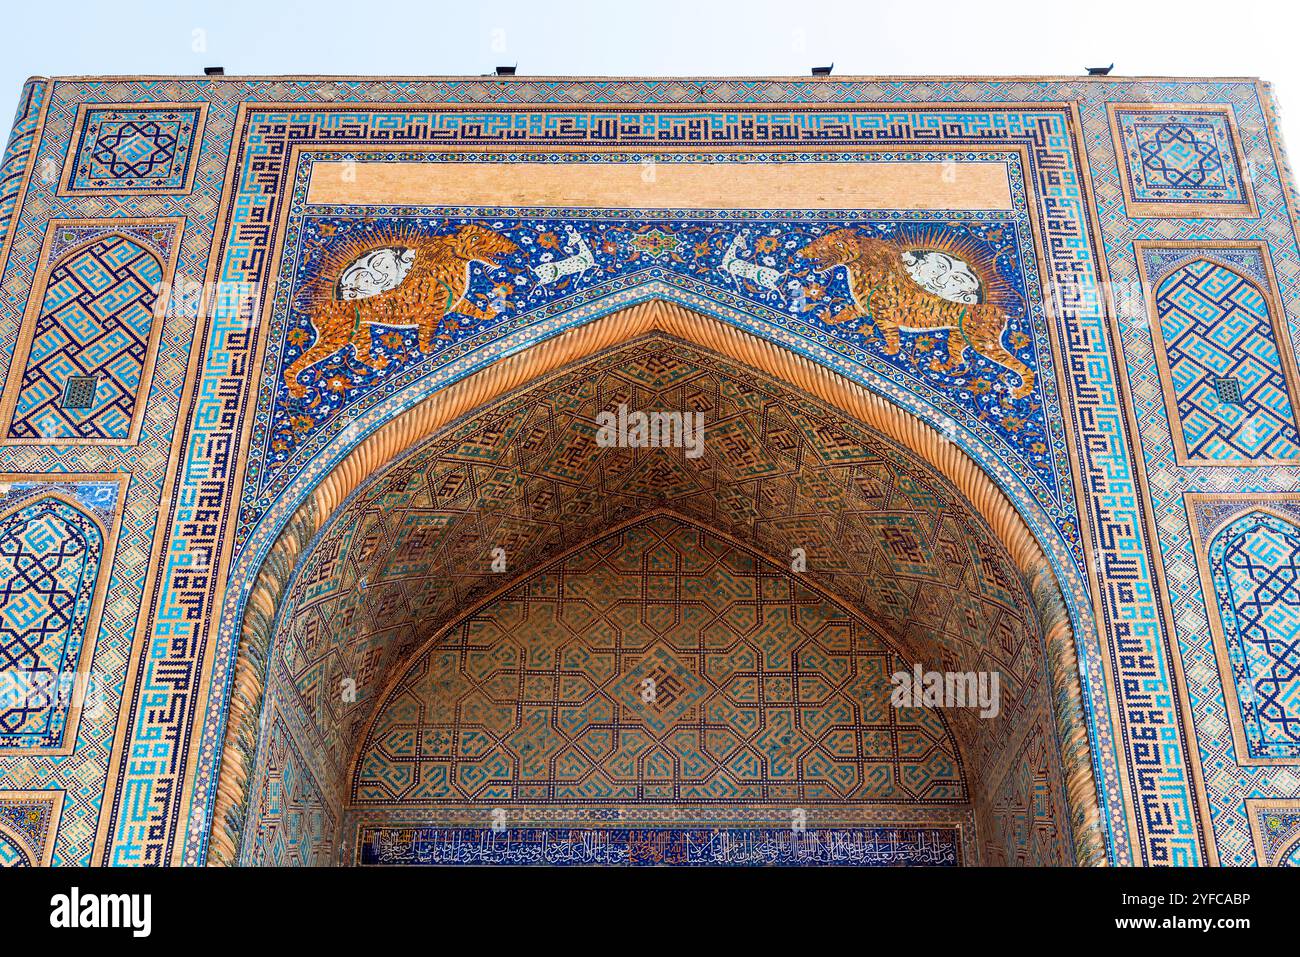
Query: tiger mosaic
{"x":427,"y":286}
{"x":887,"y":294}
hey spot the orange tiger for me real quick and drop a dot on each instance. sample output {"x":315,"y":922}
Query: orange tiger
{"x":884,"y":292}
{"x":435,"y":286}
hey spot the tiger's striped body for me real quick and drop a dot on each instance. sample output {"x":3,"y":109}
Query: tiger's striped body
{"x":436,"y":286}
{"x":885,"y":294}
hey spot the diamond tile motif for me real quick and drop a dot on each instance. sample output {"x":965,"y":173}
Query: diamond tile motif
{"x":89,"y":347}
{"x":660,"y":689}
{"x":613,"y":708}
{"x":79,"y":392}
{"x":1229,"y":386}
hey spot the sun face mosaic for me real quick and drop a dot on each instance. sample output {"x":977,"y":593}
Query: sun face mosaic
{"x":1066,"y":306}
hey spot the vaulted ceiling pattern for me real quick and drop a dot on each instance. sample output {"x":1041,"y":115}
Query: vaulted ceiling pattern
{"x":416,"y":546}
{"x":658,"y":663}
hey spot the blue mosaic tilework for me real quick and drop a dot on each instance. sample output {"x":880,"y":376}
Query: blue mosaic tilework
{"x":1223,"y":783}
{"x":1215,"y":328}
{"x":82,"y":775}
{"x":1181,"y":156}
{"x":95,"y":322}
{"x":673,"y":847}
{"x":626,"y":253}
{"x":1072,"y":257}
{"x":18,"y":150}
{"x":1275,"y":824}
{"x":99,"y":499}
{"x":1160,"y":794}
{"x":49,"y":562}
{"x":1255,"y":564}
{"x":300,"y":829}
{"x":12,"y":855}
{"x":28,"y":820}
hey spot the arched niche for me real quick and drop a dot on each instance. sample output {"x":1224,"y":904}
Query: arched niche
{"x":87,"y":347}
{"x":52,"y":577}
{"x":484,"y":398}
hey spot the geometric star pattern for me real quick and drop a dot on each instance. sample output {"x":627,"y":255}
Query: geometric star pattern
{"x":135,"y":150}
{"x":1180,"y":161}
{"x":1179,"y":158}
{"x":1023,"y":820}
{"x":530,"y":478}
{"x":659,"y":664}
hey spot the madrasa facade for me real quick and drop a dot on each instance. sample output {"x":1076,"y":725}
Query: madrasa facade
{"x":642,"y":471}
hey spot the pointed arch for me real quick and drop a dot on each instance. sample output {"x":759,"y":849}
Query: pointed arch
{"x":1226,"y":367}
{"x":52,"y":565}
{"x":1253,"y":564}
{"x":497,"y":383}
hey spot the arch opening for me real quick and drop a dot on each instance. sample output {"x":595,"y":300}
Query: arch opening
{"x":905,"y":541}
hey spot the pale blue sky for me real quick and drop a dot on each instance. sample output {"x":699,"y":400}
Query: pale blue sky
{"x":665,"y":37}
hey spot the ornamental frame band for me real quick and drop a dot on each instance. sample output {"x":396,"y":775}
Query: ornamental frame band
{"x":188,"y":846}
